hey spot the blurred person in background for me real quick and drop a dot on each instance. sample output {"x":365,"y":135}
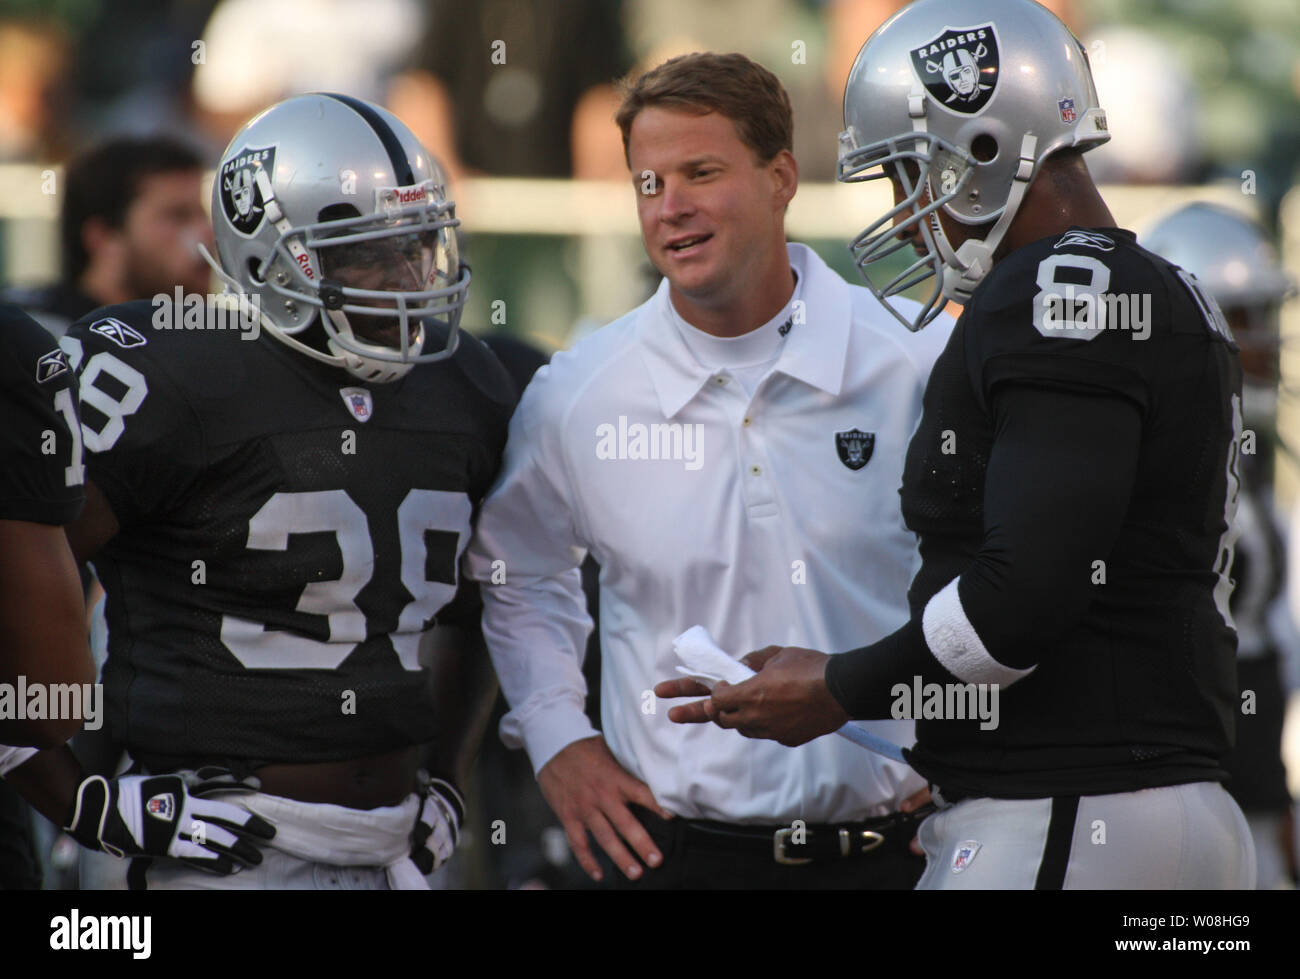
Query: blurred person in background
{"x":33,"y":67}
{"x":518,"y":87}
{"x":133,"y":67}
{"x":1236,"y":263}
{"x":259,"y":51}
{"x":129,"y":223}
{"x":1158,"y":138}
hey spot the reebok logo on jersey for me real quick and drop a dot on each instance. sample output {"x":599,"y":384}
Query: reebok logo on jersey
{"x":965,"y":854}
{"x":51,"y":366}
{"x":162,"y":806}
{"x":358,"y":402}
{"x":117,"y":331}
{"x":1086,"y":239}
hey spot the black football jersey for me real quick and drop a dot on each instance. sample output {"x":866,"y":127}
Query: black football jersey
{"x":287,"y":535}
{"x":1142,"y":691}
{"x":1256,"y":771}
{"x":40,"y":441}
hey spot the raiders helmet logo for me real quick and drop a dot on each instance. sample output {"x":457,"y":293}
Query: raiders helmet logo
{"x":241,"y":198}
{"x":855,"y":447}
{"x":959,"y":68}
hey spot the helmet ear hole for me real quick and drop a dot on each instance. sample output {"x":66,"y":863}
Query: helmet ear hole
{"x":984,"y":148}
{"x":337,"y":212}
{"x":253,"y":265}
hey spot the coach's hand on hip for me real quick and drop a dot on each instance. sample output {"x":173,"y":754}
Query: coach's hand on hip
{"x":589,"y":790}
{"x":787,"y":701}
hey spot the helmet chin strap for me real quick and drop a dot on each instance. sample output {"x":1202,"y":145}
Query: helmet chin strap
{"x":375,"y":370}
{"x":966,"y":267}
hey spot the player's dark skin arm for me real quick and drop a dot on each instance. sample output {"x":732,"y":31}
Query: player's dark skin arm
{"x":48,"y":780}
{"x":96,"y":526}
{"x":42,"y":624}
{"x":1056,"y":491}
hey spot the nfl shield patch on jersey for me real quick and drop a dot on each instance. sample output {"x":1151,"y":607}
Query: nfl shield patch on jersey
{"x":358,"y":402}
{"x":965,"y":854}
{"x":855,"y":447}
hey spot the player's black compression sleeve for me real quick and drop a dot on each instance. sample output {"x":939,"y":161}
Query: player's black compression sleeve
{"x":1056,"y":491}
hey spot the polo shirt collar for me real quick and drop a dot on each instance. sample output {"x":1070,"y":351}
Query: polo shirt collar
{"x":814,"y":350}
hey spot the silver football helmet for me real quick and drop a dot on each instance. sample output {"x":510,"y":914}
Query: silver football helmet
{"x":326,"y":207}
{"x":1228,"y":253}
{"x":961,"y":102}
{"x":1236,"y":263}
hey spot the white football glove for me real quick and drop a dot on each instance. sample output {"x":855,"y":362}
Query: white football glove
{"x":437,"y":827}
{"x":169,"y":816}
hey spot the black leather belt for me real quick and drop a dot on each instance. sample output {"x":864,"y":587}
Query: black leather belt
{"x":794,"y":843}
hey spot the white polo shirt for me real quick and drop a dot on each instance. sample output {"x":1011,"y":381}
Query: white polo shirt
{"x":707,"y":505}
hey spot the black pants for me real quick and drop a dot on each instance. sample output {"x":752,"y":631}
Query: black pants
{"x":692,"y":865}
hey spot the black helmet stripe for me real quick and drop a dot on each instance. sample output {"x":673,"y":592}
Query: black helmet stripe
{"x":402,"y":172}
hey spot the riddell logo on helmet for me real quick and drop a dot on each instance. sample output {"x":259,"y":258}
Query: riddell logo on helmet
{"x":401,"y":196}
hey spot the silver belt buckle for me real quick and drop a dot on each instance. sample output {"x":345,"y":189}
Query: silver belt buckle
{"x":779,"y":839}
{"x":870,"y":840}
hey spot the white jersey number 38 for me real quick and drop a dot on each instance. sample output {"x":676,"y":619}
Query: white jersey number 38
{"x":258,"y":648}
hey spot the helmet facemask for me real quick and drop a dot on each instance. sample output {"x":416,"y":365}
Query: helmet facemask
{"x":931,"y":173}
{"x":976,"y":107}
{"x":379,"y":281}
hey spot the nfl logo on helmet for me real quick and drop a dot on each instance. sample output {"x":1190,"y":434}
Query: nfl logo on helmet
{"x":1067,"y":110}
